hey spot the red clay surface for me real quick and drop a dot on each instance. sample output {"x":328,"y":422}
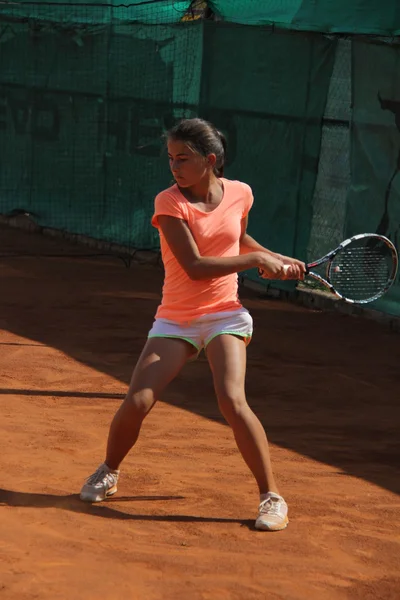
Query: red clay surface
{"x":326,"y":388}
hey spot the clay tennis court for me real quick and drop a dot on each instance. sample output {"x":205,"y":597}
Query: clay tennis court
{"x":326,"y":387}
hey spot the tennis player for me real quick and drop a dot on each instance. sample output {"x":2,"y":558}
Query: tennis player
{"x":202,"y":221}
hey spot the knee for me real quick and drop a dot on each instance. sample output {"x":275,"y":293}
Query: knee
{"x":232,"y":405}
{"x":140,"y":402}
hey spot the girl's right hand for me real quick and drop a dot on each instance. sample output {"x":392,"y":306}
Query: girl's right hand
{"x":271,"y":267}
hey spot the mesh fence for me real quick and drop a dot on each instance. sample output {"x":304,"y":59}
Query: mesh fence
{"x":83,"y":108}
{"x":86,"y":91}
{"x":68,"y":14}
{"x":341,"y":16}
{"x":333,"y":180}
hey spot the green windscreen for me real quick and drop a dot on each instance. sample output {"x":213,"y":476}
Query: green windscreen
{"x":328,"y":16}
{"x":374,"y":198}
{"x":312,"y":120}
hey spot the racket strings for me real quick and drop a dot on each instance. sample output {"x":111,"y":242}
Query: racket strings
{"x":360,"y":272}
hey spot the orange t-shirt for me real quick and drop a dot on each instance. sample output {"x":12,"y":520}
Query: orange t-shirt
{"x":217,"y":234}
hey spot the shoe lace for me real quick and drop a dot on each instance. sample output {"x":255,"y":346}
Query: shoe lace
{"x":99,"y":475}
{"x":270,"y":507}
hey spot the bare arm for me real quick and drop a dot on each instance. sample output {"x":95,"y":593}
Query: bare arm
{"x":181,"y":241}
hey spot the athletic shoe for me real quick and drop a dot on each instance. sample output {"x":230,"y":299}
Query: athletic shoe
{"x":272,"y":513}
{"x":100,"y":485}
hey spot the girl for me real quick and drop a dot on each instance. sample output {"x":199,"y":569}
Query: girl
{"x":202,"y":222}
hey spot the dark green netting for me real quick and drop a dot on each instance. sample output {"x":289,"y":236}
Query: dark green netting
{"x":67,"y":12}
{"x":81,"y":123}
{"x":84,"y":101}
{"x":374,"y":199}
{"x":335,"y":16}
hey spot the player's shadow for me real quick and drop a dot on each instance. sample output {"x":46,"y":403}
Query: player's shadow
{"x":72,"y":503}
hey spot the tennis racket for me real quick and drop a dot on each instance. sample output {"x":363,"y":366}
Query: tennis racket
{"x":360,"y":270}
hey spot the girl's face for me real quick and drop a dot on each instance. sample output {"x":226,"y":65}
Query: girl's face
{"x":187,"y":166}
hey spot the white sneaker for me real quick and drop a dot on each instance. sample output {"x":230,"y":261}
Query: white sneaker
{"x":100,"y":485}
{"x":272,"y":513}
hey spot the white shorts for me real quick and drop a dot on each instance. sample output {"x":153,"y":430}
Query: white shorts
{"x":201,"y":331}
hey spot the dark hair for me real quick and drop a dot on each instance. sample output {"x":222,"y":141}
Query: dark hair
{"x":202,"y":137}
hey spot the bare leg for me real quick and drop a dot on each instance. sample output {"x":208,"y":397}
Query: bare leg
{"x":227,"y":357}
{"x":159,"y":363}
